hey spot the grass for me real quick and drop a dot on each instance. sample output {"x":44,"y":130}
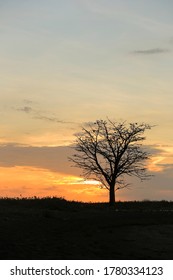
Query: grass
{"x":53,"y":228}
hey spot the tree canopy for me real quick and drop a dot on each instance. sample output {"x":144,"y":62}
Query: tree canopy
{"x":107,"y":151}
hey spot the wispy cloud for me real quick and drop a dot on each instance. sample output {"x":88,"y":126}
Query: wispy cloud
{"x":25,"y":109}
{"x":28,"y":101}
{"x":150,"y":51}
{"x":48,"y":118}
{"x":39,"y":114}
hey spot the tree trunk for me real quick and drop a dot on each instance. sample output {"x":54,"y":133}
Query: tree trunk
{"x":112,"y":195}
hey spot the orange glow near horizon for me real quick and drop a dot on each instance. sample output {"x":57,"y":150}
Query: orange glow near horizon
{"x":31,"y":181}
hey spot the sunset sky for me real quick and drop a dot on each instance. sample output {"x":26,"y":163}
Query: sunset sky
{"x":67,"y":62}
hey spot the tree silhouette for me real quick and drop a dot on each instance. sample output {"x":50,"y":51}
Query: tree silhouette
{"x":107,"y":151}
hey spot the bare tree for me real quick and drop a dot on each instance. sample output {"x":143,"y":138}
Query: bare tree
{"x":108,"y":151}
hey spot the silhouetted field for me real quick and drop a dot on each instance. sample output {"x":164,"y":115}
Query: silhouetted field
{"x":53,"y":228}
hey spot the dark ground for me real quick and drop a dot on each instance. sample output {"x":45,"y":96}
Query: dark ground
{"x":53,"y":228}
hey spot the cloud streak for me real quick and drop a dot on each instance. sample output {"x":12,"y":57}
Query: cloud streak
{"x":25,"y":109}
{"x":54,"y":159}
{"x":40,"y":115}
{"x":150,"y":51}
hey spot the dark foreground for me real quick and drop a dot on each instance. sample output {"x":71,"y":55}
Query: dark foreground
{"x":57,"y":229}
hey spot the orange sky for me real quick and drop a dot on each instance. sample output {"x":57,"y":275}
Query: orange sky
{"x":29,"y":181}
{"x":46,"y":179}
